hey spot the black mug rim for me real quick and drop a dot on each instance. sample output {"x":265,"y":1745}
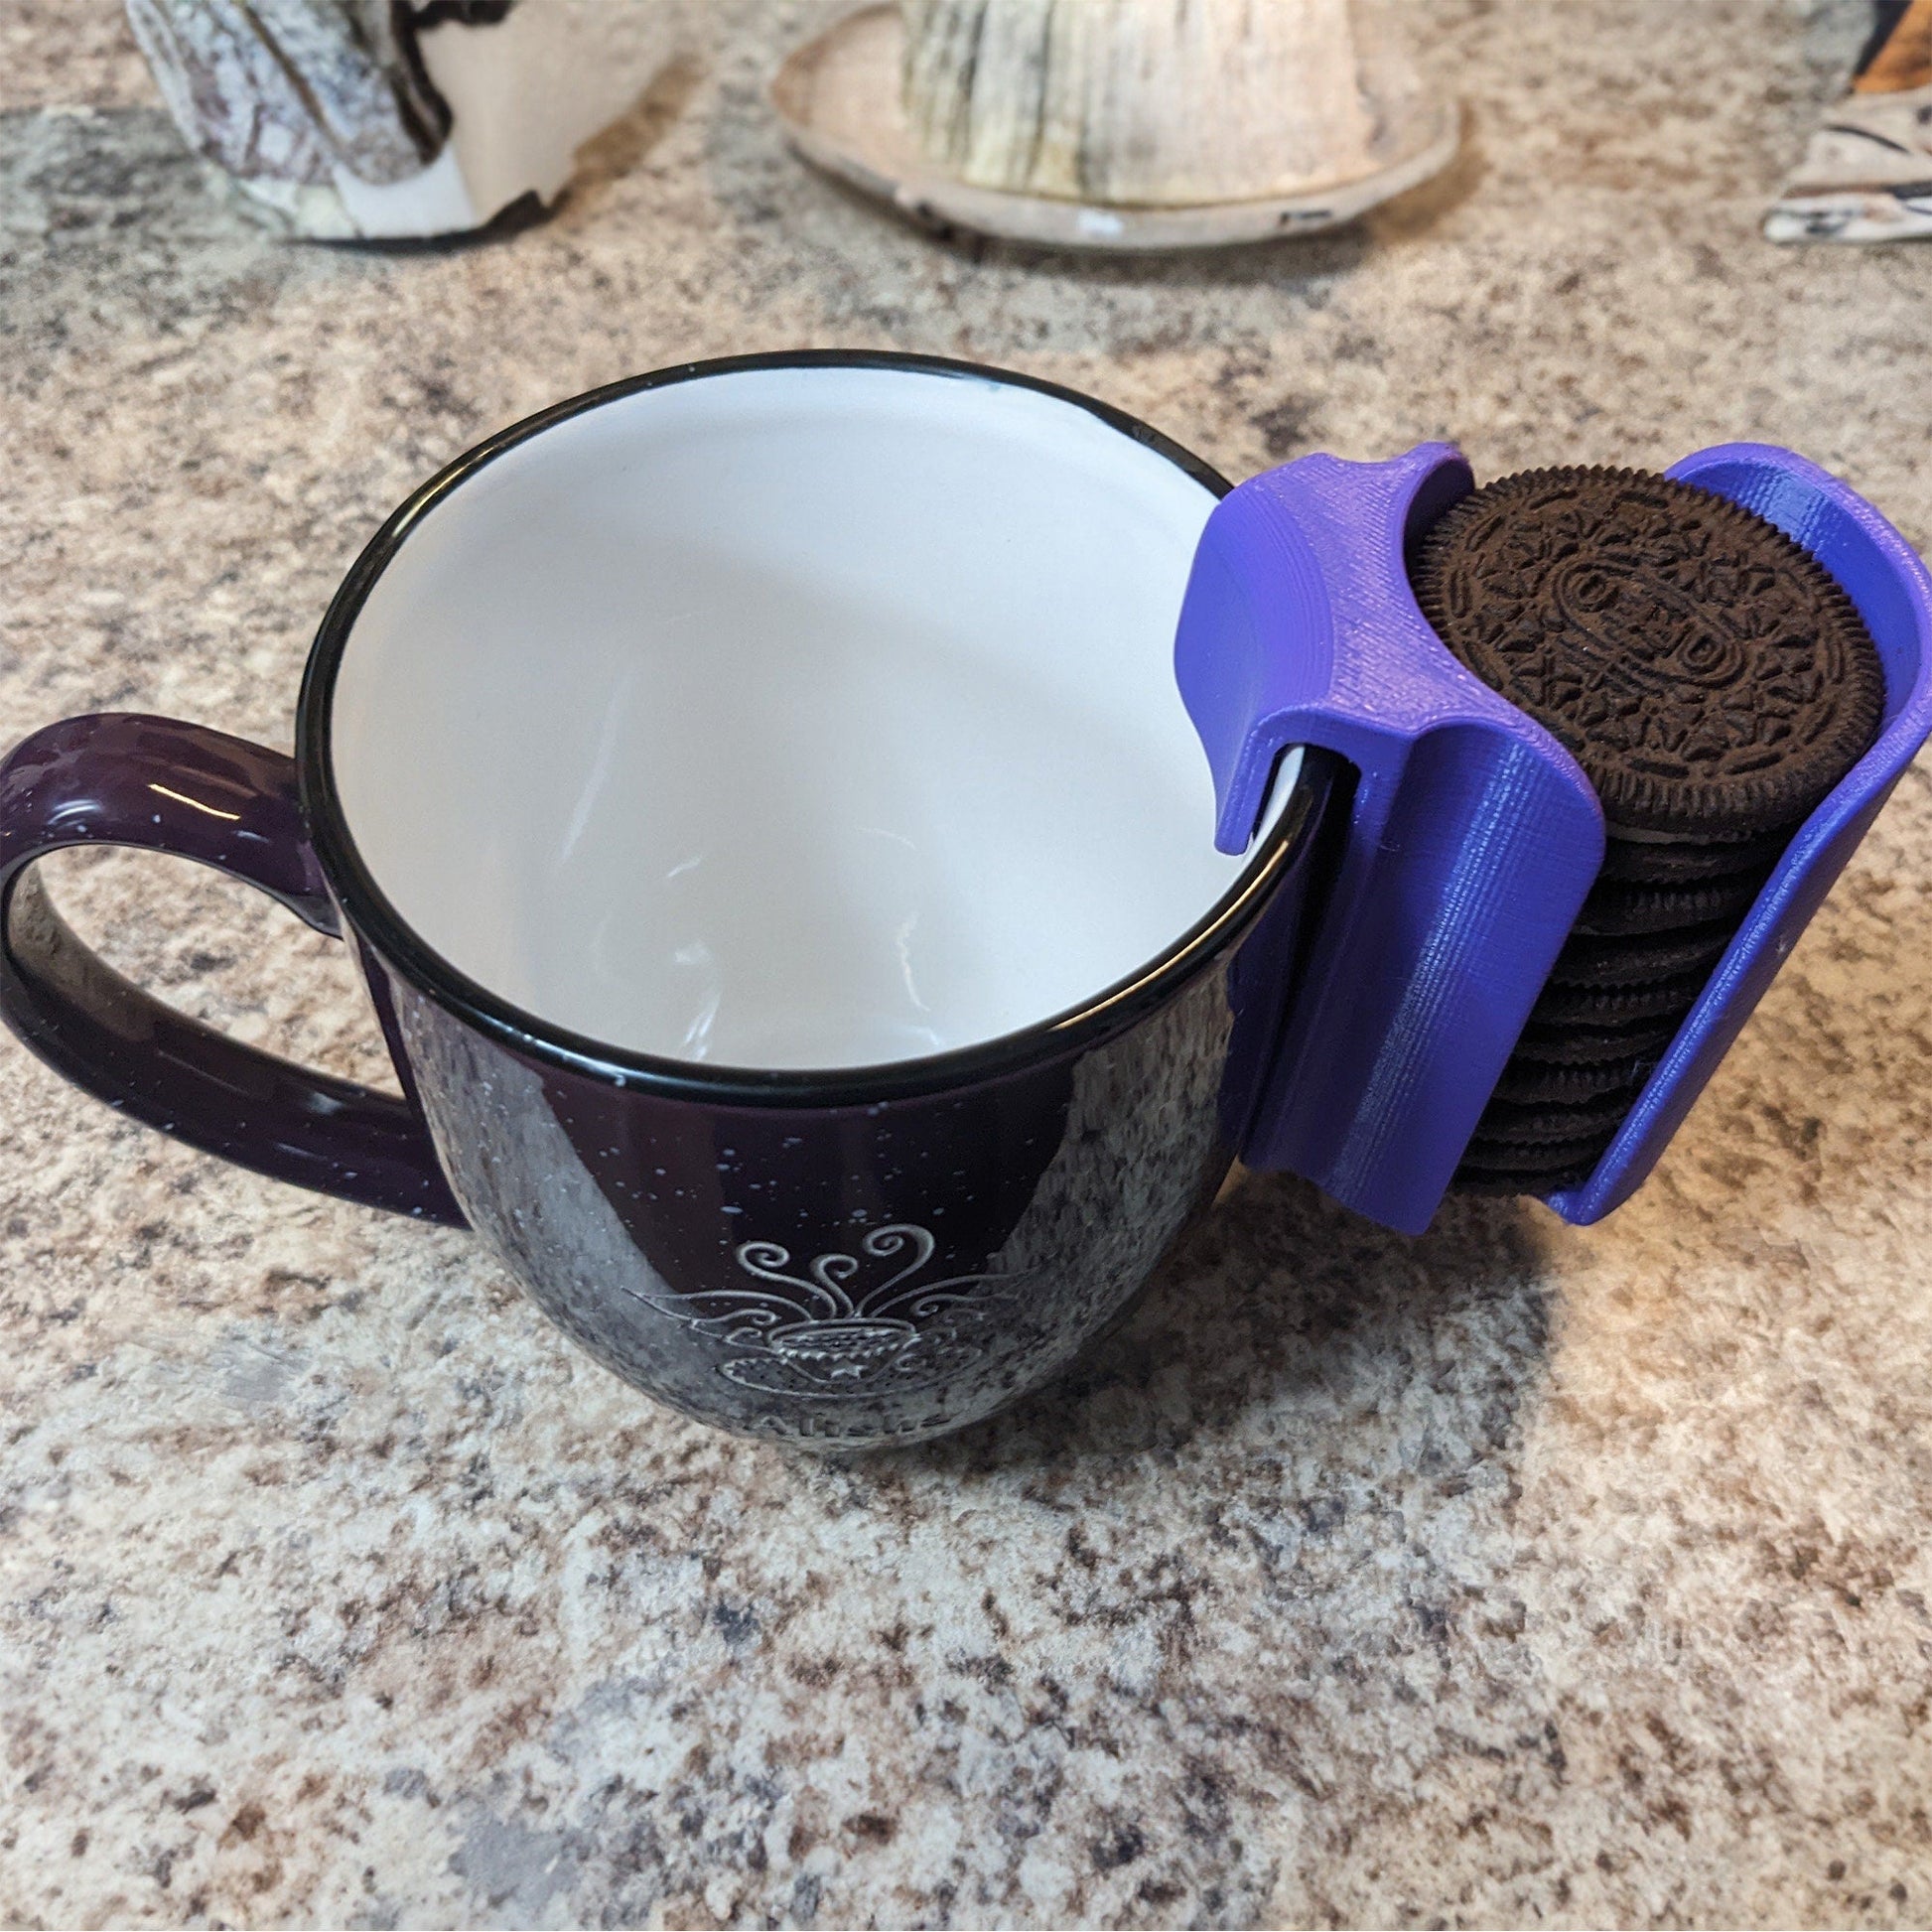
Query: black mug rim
{"x":378,"y":922}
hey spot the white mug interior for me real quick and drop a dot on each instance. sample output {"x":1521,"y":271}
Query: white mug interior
{"x":812,"y":716}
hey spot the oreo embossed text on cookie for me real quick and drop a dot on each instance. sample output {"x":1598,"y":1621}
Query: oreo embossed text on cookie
{"x":1709,"y":675}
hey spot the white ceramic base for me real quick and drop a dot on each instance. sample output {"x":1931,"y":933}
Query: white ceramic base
{"x":840,"y":101}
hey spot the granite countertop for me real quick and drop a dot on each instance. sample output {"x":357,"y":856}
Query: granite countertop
{"x":1516,"y":1573}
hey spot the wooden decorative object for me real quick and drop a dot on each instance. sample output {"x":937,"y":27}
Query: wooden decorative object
{"x":1160,"y":104}
{"x":391,"y":118}
{"x":1120,"y":123}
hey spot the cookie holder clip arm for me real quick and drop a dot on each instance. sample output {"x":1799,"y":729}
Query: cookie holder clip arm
{"x":1474,"y":837}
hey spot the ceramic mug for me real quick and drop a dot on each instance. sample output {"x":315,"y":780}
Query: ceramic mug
{"x":760,"y":801}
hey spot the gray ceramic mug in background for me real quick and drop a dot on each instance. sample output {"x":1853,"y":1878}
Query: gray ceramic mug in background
{"x":760,"y":801}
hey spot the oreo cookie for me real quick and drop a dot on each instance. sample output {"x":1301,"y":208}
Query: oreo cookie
{"x":1572,"y":1043}
{"x":1593,"y":1006}
{"x":1509,"y":1185}
{"x":1676,"y":862}
{"x":1471,"y":1179}
{"x":1535,"y":1167}
{"x":1508,"y":1122}
{"x":1709,"y":674}
{"x":1715,"y":683}
{"x":1648,"y":961}
{"x":1616,"y":910}
{"x":1534,"y":1082}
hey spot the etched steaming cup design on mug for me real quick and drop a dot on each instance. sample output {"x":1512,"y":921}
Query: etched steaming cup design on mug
{"x":782,"y":863}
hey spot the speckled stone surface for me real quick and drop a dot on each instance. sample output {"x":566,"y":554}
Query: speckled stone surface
{"x":1513,"y":1575}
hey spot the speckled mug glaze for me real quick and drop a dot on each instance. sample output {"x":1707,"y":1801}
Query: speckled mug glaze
{"x":879,"y":1252}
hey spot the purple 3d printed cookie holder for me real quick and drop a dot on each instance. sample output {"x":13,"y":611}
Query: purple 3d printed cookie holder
{"x":1474,"y":836}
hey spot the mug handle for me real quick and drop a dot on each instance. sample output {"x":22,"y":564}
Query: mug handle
{"x":120,"y":779}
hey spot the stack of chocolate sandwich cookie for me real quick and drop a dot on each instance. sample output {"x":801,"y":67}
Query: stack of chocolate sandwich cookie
{"x":1715,"y":683}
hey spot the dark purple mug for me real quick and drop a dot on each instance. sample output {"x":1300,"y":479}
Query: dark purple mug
{"x":846,"y":849}
{"x":760,"y":800}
